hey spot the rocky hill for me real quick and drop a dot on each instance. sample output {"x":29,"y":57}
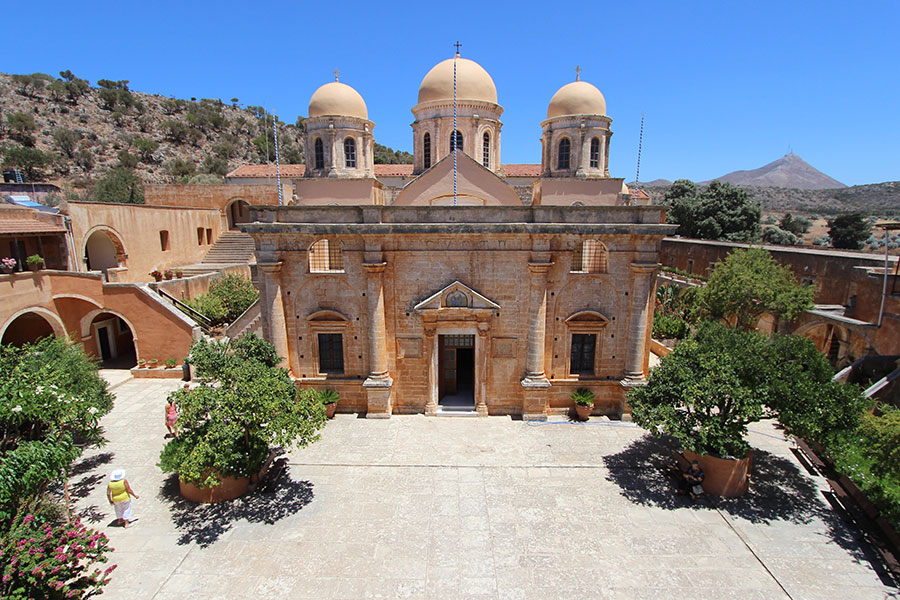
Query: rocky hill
{"x":876,"y":199}
{"x":789,"y":171}
{"x":82,"y":131}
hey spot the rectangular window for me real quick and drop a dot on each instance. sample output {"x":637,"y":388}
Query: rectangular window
{"x":690,"y":265}
{"x":583,"y":345}
{"x":209,"y":236}
{"x":201,"y":236}
{"x":164,"y":240}
{"x":331,"y":353}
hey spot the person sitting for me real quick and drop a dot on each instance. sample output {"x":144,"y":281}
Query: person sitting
{"x":693,"y":478}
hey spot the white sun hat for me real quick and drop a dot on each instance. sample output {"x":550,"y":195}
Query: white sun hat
{"x":117,"y":475}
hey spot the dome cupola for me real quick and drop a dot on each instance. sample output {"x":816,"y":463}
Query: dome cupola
{"x":577,"y":98}
{"x":339,"y":141}
{"x":472,"y":82}
{"x":337,"y":99}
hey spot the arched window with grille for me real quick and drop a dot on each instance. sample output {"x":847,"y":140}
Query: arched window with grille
{"x":456,"y":141}
{"x":350,"y":153}
{"x":486,"y":150}
{"x":595,"y":153}
{"x":325,"y":256}
{"x":562,"y":154}
{"x":319,"y":154}
{"x":426,"y":150}
{"x":591,"y":256}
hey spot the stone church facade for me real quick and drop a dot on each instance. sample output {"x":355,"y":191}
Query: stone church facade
{"x":452,"y":292}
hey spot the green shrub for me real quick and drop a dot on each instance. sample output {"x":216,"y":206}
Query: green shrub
{"x":328,"y":396}
{"x":210,"y":307}
{"x":236,"y":292}
{"x":582,"y":397}
{"x":668,"y":327}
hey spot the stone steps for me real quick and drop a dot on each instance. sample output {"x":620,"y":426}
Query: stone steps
{"x":232,"y":247}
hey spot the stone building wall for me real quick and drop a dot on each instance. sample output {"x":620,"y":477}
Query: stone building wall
{"x":215,"y":195}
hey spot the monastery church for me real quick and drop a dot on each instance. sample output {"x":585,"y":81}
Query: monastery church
{"x":464,"y":287}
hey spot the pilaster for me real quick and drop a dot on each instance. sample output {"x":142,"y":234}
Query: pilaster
{"x":535,"y":383}
{"x":272,"y":307}
{"x":637,"y":327}
{"x":378,"y":384}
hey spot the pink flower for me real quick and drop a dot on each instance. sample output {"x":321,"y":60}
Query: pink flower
{"x":28,"y":519}
{"x":6,"y":578}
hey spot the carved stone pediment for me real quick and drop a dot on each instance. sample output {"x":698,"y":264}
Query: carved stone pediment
{"x":455,"y":297}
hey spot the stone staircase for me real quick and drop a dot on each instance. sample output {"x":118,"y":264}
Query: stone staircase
{"x":232,"y":248}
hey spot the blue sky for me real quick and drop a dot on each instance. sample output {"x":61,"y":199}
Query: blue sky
{"x":724,"y":85}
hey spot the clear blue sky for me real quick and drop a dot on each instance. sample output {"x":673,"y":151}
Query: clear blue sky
{"x":724,"y":85}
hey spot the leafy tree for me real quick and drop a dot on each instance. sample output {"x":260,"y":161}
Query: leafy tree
{"x":224,"y":148}
{"x":776,"y":235}
{"x":145,"y":147}
{"x":66,"y":140}
{"x":119,"y":185}
{"x":849,"y":231}
{"x":171,"y":106}
{"x":236,"y":291}
{"x":35,"y":82}
{"x":31,"y":160}
{"x":21,"y":123}
{"x":75,"y":87}
{"x":205,"y":179}
{"x":181,"y":169}
{"x":881,"y":440}
{"x":176,"y":131}
{"x":244,"y":406}
{"x":210,"y":307}
{"x":215,"y":165}
{"x":748,"y":284}
{"x":388,"y":156}
{"x":84,"y":159}
{"x":721,"y":211}
{"x":127,"y":160}
{"x":796,"y":225}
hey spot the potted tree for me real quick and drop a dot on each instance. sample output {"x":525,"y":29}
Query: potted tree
{"x":329,"y":398}
{"x":156,"y":274}
{"x":244,"y":406}
{"x":35,"y":262}
{"x":584,"y":402}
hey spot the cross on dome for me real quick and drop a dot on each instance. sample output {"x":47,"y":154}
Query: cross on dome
{"x":458,"y":45}
{"x":336,"y":73}
{"x":578,"y":72}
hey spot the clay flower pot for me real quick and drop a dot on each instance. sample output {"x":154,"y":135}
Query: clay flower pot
{"x":229,"y":489}
{"x":727,"y":477}
{"x":583,"y":412}
{"x":330,"y":409}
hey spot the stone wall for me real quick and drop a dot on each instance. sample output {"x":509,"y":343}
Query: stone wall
{"x":213,"y":196}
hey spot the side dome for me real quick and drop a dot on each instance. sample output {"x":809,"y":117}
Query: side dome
{"x":577,"y":98}
{"x":472,"y":82}
{"x":338,"y":99}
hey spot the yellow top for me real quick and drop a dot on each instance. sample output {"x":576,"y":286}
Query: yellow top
{"x":118,"y":491}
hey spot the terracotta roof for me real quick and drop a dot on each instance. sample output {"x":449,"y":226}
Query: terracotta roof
{"x":268,"y":171}
{"x":521,"y":170}
{"x":393,"y":170}
{"x":641,"y":194}
{"x":8,"y":226}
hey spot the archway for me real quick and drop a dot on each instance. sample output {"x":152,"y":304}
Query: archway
{"x":238,"y":212}
{"x":832,"y":340}
{"x":111,"y":339}
{"x":28,"y":327}
{"x":104,"y":250}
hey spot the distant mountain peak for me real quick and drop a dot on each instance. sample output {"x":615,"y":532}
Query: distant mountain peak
{"x":789,"y":171}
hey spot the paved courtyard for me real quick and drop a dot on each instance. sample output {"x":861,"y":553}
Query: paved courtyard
{"x":416,"y":507}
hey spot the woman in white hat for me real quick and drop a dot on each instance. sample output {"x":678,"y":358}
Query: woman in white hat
{"x":119,"y":494}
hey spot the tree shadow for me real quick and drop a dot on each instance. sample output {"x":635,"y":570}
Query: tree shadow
{"x":779,"y":491}
{"x":276,"y":498}
{"x":90,"y":463}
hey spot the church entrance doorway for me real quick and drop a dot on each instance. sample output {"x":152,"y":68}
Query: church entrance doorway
{"x":456,"y":366}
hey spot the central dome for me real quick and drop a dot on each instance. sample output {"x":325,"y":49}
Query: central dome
{"x":577,"y":98}
{"x":337,"y":99}
{"x":472,"y":82}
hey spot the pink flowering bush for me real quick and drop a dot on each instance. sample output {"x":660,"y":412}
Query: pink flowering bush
{"x":42,"y":560}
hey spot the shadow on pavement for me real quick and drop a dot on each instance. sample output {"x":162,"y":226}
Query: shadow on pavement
{"x":204,"y":524}
{"x":779,"y":491}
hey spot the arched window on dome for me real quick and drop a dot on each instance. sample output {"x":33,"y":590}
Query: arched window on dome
{"x":319,"y":154}
{"x":562,"y":154}
{"x":486,"y":150}
{"x":426,"y":149}
{"x":590,"y":256}
{"x":456,"y":141}
{"x":595,"y":153}
{"x":325,"y":256}
{"x":350,"y":153}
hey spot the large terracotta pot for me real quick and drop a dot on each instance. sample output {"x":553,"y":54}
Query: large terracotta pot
{"x":583,"y":412}
{"x":723,"y":476}
{"x":229,"y":489}
{"x":330,"y":409}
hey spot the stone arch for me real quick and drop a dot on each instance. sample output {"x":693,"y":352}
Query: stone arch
{"x":237,"y":211}
{"x":327,"y":314}
{"x":125,"y":344}
{"x":833,"y":340}
{"x":29,"y":328}
{"x":104,"y":249}
{"x":563,"y":153}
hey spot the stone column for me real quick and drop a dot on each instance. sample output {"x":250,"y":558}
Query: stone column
{"x":272,"y":308}
{"x":379,"y":383}
{"x":535,"y":382}
{"x":481,"y":369}
{"x":431,"y":350}
{"x":637,"y":327}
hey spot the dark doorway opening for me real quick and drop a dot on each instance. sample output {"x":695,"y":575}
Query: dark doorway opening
{"x":456,"y":384}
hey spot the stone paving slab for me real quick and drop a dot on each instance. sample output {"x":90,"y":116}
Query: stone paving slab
{"x":416,"y":507}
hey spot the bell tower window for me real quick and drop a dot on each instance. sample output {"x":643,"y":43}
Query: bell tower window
{"x":456,"y":141}
{"x":486,"y":150}
{"x":562,"y":159}
{"x":350,"y":153}
{"x":426,"y":150}
{"x":595,"y":153}
{"x":319,"y":154}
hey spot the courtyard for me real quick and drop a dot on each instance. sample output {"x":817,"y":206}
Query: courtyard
{"x":455,"y":507}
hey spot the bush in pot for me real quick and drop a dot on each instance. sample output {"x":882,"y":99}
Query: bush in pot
{"x":244,"y":406}
{"x":584,"y":402}
{"x":329,"y":398}
{"x":35,"y":262}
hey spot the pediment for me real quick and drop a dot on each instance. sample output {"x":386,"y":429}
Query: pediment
{"x":457,"y":295}
{"x":476,"y":186}
{"x":587,"y":319}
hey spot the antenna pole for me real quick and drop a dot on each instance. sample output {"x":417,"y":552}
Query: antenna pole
{"x":453,"y":135}
{"x":266,"y":129}
{"x":277,"y":166}
{"x":637,"y":175}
